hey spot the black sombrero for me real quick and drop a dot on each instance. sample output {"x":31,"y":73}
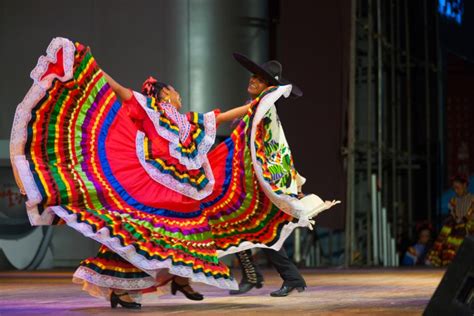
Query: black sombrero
{"x":270,"y":71}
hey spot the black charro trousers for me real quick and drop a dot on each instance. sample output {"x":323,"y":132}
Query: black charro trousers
{"x":279,"y":259}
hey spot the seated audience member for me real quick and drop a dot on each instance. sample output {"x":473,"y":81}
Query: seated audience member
{"x":416,"y":254}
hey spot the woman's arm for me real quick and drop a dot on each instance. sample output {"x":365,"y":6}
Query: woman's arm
{"x":232,"y":114}
{"x":121,"y":92}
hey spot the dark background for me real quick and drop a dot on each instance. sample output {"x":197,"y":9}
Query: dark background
{"x":313,"y":46}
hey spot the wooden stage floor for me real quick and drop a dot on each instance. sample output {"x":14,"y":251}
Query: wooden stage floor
{"x":330,"y":292}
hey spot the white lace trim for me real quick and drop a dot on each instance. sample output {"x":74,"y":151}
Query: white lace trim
{"x":168,"y":181}
{"x":111,"y":282}
{"x":97,"y":285}
{"x":203,"y":147}
{"x":304,"y":208}
{"x":284,"y":234}
{"x":180,"y":119}
{"x":129,"y":253}
{"x":50,"y":57}
{"x":22,"y":117}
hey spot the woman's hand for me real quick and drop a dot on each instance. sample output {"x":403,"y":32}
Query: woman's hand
{"x":171,"y":96}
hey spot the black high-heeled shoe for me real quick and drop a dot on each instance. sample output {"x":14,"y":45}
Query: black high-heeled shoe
{"x":115,"y":300}
{"x":195,"y":296}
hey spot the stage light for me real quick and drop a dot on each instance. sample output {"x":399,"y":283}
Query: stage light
{"x":452,"y":9}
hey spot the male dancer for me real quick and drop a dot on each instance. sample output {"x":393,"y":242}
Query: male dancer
{"x":263,"y":76}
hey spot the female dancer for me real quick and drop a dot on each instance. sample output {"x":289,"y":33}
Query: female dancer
{"x":131,"y":172}
{"x":458,"y":225}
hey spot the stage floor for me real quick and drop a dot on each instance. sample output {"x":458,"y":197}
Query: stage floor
{"x":330,"y":292}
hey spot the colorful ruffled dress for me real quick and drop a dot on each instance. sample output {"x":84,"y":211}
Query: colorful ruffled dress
{"x":141,"y":179}
{"x":453,"y":232}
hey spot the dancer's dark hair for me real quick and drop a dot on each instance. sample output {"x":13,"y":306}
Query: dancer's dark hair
{"x":460,"y":178}
{"x":152,"y":87}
